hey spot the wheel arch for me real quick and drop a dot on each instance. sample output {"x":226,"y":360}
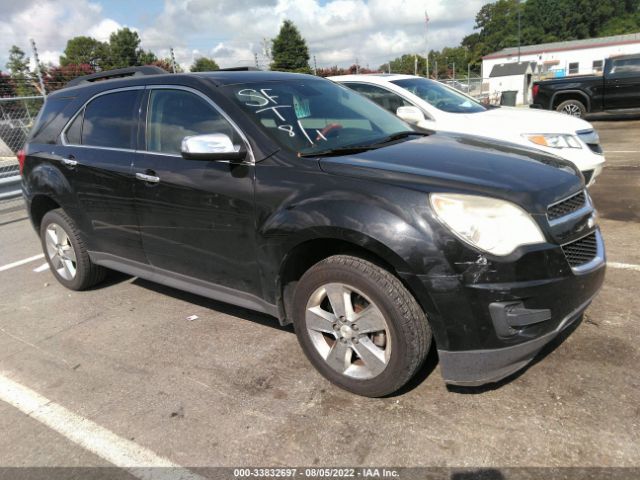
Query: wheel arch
{"x":565,"y":95}
{"x":41,"y":204}
{"x":310,"y":251}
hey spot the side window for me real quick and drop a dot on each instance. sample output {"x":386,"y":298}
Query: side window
{"x":175,"y":114}
{"x":626,"y":65}
{"x":383,"y":97}
{"x":111,"y":120}
{"x":74,"y":132}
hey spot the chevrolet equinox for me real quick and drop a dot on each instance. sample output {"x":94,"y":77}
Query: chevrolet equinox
{"x":294,"y":196}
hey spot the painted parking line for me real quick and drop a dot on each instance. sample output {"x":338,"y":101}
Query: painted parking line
{"x":136,"y":459}
{"x":624,"y":266}
{"x":21,"y":262}
{"x":41,"y":268}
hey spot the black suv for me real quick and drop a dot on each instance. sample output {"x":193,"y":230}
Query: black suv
{"x":296,"y":197}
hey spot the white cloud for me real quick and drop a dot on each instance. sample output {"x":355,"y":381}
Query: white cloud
{"x":231,"y":31}
{"x":337,"y":32}
{"x":50,"y":23}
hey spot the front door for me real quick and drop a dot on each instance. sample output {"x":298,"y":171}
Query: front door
{"x":196,"y":217}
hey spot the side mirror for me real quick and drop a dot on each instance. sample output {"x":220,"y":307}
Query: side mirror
{"x":411,"y":115}
{"x":212,"y":146}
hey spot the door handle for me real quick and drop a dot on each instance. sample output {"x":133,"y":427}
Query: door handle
{"x":69,"y":161}
{"x":147,"y":178}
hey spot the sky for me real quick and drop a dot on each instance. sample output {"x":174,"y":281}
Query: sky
{"x":231,"y":31}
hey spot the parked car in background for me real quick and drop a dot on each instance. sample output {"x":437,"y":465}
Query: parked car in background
{"x":434,"y":106}
{"x":290,"y":195}
{"x":616,"y":89}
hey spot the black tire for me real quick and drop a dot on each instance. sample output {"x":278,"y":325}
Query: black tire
{"x":87,"y":274}
{"x":575,"y":108}
{"x":409,"y":331}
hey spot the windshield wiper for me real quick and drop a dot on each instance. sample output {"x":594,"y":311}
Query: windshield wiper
{"x":362,"y":148}
{"x":336,"y":151}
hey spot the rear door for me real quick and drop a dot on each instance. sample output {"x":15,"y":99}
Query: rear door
{"x":197,"y":217}
{"x":622,"y":84}
{"x":99,"y":147}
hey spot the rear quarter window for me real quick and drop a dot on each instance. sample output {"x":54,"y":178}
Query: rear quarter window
{"x":50,"y":120}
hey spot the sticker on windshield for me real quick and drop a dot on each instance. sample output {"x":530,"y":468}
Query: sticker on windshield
{"x":301,"y":107}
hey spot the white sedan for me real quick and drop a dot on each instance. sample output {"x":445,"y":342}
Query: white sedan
{"x":435,"y":106}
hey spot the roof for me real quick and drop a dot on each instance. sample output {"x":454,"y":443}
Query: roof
{"x":372,"y":77}
{"x":509,"y":69}
{"x":151,"y":77}
{"x":568,"y":45}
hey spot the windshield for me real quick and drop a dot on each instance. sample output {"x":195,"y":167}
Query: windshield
{"x":440,"y":96}
{"x":315,"y":115}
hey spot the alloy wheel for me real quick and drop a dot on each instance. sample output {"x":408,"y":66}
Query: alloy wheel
{"x":572,"y":110}
{"x":348,"y":330}
{"x":60,"y":251}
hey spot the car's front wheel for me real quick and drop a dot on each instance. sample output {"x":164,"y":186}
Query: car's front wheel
{"x":66,"y":253}
{"x":359,"y":326}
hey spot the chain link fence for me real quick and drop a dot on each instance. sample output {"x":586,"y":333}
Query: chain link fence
{"x":17,"y":115}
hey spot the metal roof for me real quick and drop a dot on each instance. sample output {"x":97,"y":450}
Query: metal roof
{"x":514,"y":68}
{"x":568,"y":45}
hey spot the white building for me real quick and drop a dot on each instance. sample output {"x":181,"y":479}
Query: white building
{"x":576,"y":57}
{"x":515,"y":77}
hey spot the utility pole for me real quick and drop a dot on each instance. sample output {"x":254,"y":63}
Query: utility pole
{"x":519,"y":29}
{"x":389,"y":67}
{"x":468,"y":78}
{"x":38,"y":69}
{"x":436,"y":62}
{"x":357,"y":67}
{"x":426,"y":40}
{"x":315,"y":66}
{"x":415,"y":64}
{"x":454,"y":70}
{"x":173,"y":60}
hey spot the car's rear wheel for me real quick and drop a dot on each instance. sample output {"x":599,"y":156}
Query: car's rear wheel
{"x":66,"y":253}
{"x":575,"y":108}
{"x":359,"y":326}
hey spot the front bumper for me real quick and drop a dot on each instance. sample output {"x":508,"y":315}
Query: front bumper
{"x":478,"y":367}
{"x":492,"y":318}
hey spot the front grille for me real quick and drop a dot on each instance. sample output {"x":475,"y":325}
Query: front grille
{"x":567,"y":206}
{"x":587,"y":174}
{"x":581,"y":251}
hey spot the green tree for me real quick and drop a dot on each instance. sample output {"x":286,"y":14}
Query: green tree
{"x":289,"y":50}
{"x":124,"y":51}
{"x":204,"y":64}
{"x":18,"y":64}
{"x":84,"y":51}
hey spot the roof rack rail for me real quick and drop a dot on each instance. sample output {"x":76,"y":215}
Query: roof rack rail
{"x":239,"y":69}
{"x":117,"y":73}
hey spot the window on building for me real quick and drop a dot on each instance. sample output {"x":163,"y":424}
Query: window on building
{"x":597,"y":66}
{"x":573,"y":68}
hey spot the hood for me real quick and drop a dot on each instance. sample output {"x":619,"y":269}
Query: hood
{"x":530,"y":120}
{"x":465,"y":164}
{"x":525,"y":120}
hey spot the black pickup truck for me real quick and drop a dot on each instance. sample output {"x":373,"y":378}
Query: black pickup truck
{"x":617,"y":88}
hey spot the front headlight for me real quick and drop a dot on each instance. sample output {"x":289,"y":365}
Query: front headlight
{"x":495,"y":226}
{"x":554,"y":140}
